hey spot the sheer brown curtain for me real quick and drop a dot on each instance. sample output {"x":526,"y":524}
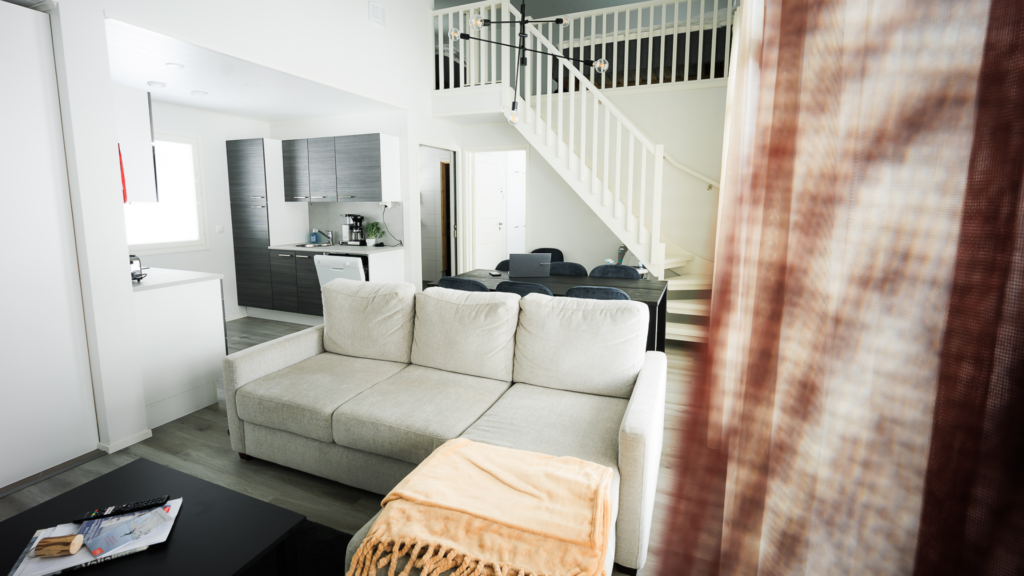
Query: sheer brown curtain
{"x":860,"y":402}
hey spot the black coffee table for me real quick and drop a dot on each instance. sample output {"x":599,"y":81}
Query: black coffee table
{"x":218,"y":531}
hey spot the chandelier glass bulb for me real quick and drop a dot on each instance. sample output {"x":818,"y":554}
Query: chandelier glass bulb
{"x":565,"y":23}
{"x":513,"y":118}
{"x":601,"y":66}
{"x":477,"y":23}
{"x":454,"y":35}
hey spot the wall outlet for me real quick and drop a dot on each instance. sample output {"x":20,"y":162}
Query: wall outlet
{"x":385,"y":204}
{"x":220,"y":229}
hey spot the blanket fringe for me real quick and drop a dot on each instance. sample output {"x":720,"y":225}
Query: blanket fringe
{"x":374,"y":554}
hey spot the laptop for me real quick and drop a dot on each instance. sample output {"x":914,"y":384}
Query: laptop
{"x":529,"y":265}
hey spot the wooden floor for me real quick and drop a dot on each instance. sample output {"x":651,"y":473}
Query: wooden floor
{"x":198,"y":444}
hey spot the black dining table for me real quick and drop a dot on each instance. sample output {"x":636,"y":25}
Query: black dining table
{"x":653,"y":293}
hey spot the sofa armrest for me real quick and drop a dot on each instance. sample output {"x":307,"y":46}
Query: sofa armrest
{"x":640,"y":440}
{"x":258,"y":361}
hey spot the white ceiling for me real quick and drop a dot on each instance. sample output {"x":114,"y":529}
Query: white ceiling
{"x":233,"y":86}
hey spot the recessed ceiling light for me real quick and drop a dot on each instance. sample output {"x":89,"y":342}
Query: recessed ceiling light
{"x":174,"y":65}
{"x":155,"y":84}
{"x":198,"y":93}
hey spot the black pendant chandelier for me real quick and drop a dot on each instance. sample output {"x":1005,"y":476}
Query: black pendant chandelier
{"x":600,"y":66}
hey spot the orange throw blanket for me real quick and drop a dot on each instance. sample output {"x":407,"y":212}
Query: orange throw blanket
{"x":489,"y":511}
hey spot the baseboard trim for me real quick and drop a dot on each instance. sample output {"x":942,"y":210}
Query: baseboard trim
{"x":50,"y":472}
{"x":125,"y":442}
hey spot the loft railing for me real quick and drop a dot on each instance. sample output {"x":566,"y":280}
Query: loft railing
{"x":647,"y":43}
{"x":650,"y":43}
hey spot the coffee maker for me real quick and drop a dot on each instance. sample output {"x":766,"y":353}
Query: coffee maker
{"x":352,"y":229}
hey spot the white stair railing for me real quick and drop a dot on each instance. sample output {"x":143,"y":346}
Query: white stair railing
{"x":607,"y":160}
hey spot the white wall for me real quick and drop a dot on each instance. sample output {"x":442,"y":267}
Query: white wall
{"x":555,"y":216}
{"x":47,"y":416}
{"x":90,"y":142}
{"x":212,"y":130}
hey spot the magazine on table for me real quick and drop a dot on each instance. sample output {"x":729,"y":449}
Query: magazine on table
{"x":105,"y":539}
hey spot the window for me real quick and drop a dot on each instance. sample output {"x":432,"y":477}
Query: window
{"x":176,"y":222}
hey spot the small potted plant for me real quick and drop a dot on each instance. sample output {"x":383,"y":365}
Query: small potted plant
{"x":373,"y":231}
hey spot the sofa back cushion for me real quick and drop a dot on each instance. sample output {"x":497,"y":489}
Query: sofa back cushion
{"x":466,"y":332}
{"x":581,"y":345}
{"x":369,"y":319}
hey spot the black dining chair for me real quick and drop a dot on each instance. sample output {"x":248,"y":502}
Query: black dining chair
{"x":596,"y":293}
{"x":567,"y":269}
{"x":522,"y":288}
{"x":556,"y":254}
{"x":455,"y":283}
{"x":502,"y":266}
{"x":615,"y":271}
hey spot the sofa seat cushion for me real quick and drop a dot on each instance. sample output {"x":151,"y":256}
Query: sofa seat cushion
{"x":302,"y":398}
{"x":554,"y":422}
{"x":410,"y":414}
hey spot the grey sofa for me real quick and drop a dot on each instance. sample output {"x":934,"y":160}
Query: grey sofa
{"x":392,"y":375}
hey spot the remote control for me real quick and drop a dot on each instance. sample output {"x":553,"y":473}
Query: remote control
{"x":109,"y":511}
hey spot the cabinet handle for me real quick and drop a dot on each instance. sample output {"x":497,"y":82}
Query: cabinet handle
{"x":254,"y":206}
{"x":301,"y":256}
{"x":319,"y":196}
{"x":256,"y":197}
{"x":285,"y":255}
{"x":299,"y":197}
{"x":346,"y":196}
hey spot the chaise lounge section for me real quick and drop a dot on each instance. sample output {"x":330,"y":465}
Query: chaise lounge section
{"x":392,"y":375}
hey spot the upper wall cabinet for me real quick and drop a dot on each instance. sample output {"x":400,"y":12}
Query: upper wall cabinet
{"x":322,"y":187}
{"x":368,"y":168}
{"x":247,"y":176}
{"x":359,"y":168}
{"x":296,"y":170}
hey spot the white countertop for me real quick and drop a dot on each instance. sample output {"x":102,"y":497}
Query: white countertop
{"x":165,"y":277}
{"x":339,"y":249}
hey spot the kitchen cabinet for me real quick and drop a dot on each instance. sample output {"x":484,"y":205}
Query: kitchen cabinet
{"x":260,"y":216}
{"x":368,"y":168}
{"x":322,"y":170}
{"x":247,"y":177}
{"x":357,"y":168}
{"x":295,"y":154}
{"x":308,"y":285}
{"x":282,"y":273}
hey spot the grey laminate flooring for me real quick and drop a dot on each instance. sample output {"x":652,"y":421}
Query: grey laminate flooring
{"x":198,"y":444}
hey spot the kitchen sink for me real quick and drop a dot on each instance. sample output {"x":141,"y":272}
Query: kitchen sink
{"x":313,"y":245}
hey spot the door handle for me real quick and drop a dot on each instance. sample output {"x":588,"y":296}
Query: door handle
{"x":299,"y":197}
{"x":285,"y":255}
{"x":301,"y":256}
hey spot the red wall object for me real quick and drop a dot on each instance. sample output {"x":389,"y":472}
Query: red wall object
{"x":124,"y":189}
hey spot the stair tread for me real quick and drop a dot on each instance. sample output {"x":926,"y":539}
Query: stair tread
{"x":690,"y":282}
{"x":686,"y":332}
{"x":695,"y":307}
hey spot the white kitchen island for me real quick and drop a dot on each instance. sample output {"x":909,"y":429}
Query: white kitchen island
{"x":179,"y":317}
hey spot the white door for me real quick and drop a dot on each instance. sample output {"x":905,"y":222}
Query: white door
{"x":515,"y":202}
{"x":490,"y":205}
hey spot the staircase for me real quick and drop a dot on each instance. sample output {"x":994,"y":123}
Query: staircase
{"x":558,"y":108}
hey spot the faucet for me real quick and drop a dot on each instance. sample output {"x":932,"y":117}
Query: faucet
{"x":328,"y":233}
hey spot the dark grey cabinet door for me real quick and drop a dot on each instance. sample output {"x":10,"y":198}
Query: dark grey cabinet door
{"x":296,"y":170}
{"x":250,"y":225}
{"x":252,"y":277}
{"x":322,"y":176}
{"x":247,"y":176}
{"x":358,"y":167}
{"x":310,"y":298}
{"x":282,"y":273}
